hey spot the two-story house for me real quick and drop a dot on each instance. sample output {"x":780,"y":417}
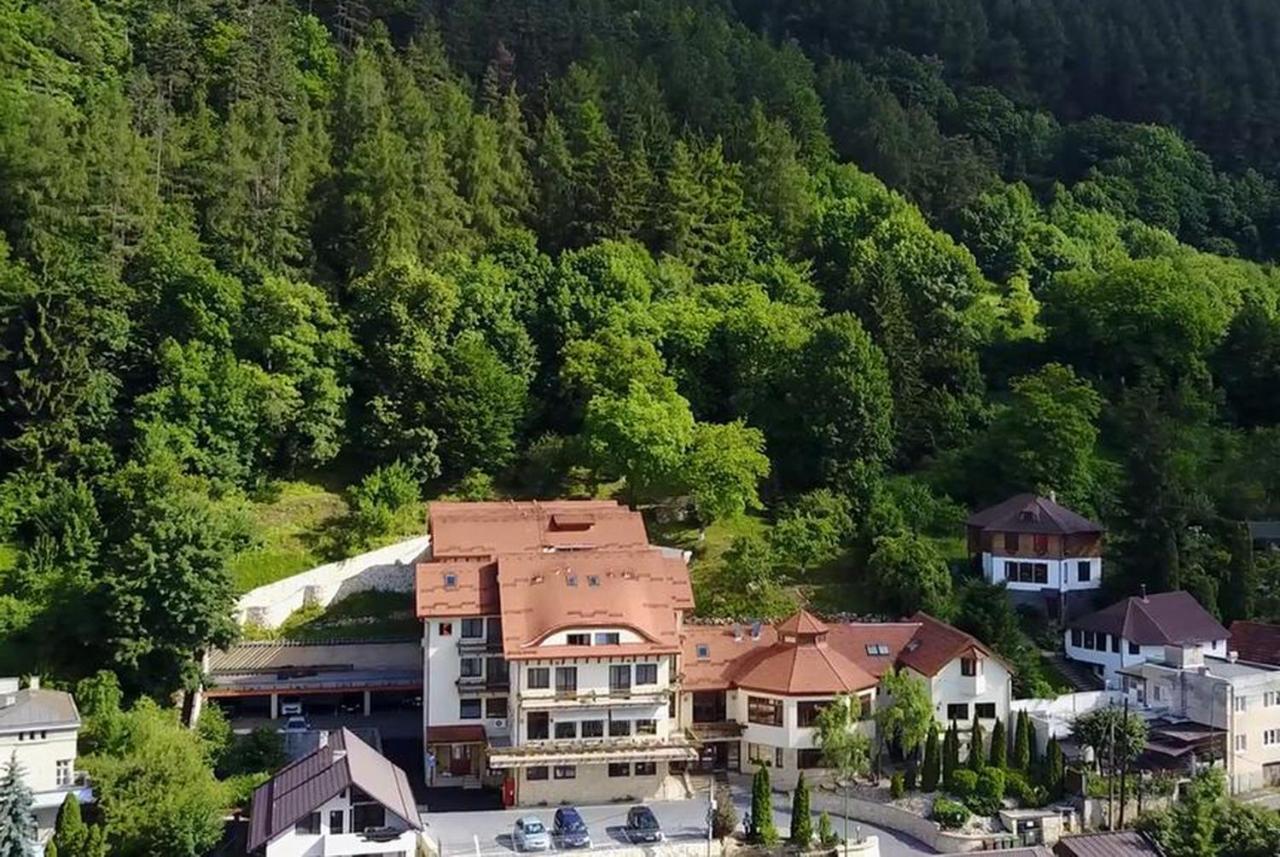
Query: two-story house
{"x":1141,"y":628}
{"x":755,"y":696}
{"x":1046,"y":555}
{"x":551,"y":638}
{"x":342,"y":798}
{"x":39,"y":727}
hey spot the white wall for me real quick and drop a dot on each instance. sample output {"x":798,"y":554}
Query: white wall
{"x":292,"y":844}
{"x":39,"y":756}
{"x":1111,"y":661}
{"x":950,"y":686}
{"x":1062,"y":573}
{"x":561,"y":638}
{"x":389,"y":569}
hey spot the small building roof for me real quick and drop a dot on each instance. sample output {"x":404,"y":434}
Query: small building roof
{"x":936,"y":644}
{"x":305,"y":785}
{"x":37,"y":708}
{"x":1256,"y":641}
{"x":801,"y":663}
{"x":1028,"y":513}
{"x":1164,"y":619}
{"x":277,"y":666}
{"x":802,"y":623}
{"x":1121,"y":843}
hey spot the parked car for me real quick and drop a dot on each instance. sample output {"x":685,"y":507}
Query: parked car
{"x":642,"y":825}
{"x":531,"y":835}
{"x":569,"y":829}
{"x":294,"y":725}
{"x":291,"y":709}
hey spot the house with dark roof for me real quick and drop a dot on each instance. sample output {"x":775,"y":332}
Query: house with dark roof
{"x":1118,"y":843}
{"x":342,"y":798}
{"x":754,"y":696}
{"x":39,"y":727}
{"x":1258,"y":642}
{"x":1142,"y":628}
{"x":1048,"y":556}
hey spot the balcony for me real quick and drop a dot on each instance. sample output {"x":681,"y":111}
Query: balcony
{"x":373,"y":842}
{"x":51,"y":798}
{"x":974,"y":685}
{"x":477,"y":645}
{"x":570,"y":697}
{"x":485,"y":683}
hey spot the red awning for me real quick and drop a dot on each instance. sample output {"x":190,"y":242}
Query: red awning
{"x":461,"y":734}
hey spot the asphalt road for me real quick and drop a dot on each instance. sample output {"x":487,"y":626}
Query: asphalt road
{"x":459,"y":833}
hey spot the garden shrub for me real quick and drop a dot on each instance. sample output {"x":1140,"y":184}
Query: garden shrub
{"x":963,"y":783}
{"x":988,"y":797}
{"x":949,"y":814}
{"x":896,"y":787}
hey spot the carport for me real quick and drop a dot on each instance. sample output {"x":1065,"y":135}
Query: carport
{"x":327,"y":678}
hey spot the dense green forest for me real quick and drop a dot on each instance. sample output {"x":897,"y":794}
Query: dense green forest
{"x":841,"y":270}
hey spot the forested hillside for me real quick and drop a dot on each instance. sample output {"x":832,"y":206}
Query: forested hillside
{"x":834,"y":266}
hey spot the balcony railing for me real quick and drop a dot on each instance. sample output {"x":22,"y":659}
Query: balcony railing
{"x":601,"y":695}
{"x":479,"y":644}
{"x":484,"y":682}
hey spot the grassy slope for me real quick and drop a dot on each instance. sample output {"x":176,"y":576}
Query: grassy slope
{"x":292,"y":521}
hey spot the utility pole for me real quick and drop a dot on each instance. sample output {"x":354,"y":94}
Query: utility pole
{"x":1125,"y":758}
{"x":1111,"y":776}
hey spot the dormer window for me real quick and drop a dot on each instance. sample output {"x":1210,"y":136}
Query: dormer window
{"x":578,"y":639}
{"x":703,"y":652}
{"x":451,"y":581}
{"x":877,"y":649}
{"x":1026,"y":515}
{"x":969,"y":666}
{"x":593,"y":580}
{"x":571,"y":579}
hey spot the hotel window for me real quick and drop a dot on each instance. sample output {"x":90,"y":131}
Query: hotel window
{"x":646,"y":769}
{"x":646,"y":727}
{"x":1088,"y":639}
{"x":446,"y":629}
{"x":539,"y":678}
{"x":619,"y":769}
{"x":472,"y":629}
{"x":469,"y":709}
{"x":703,"y":652}
{"x":808,"y":759}
{"x":566,"y":730}
{"x":608,"y":638}
{"x":470,"y":668}
{"x":985,"y":710}
{"x":1134,"y":648}
{"x":1242,"y":703}
{"x":1100,"y":642}
{"x":1271,"y":737}
{"x":1084,"y":571}
{"x":1115,"y":643}
{"x":564,"y":772}
{"x":495,"y":707}
{"x":1076,"y":638}
{"x":593,"y":580}
{"x":766,"y":712}
{"x":64,"y":772}
{"x":578,"y":639}
{"x":537,"y":726}
{"x":1011,"y":542}
{"x":958,"y":711}
{"x":1242,"y":743}
{"x":1269,"y":698}
{"x":566,"y":679}
{"x":760,"y":753}
{"x":1042,"y":572}
{"x":778,"y":756}
{"x":537,"y":772}
{"x":1010,"y":570}
{"x":620,"y":678}
{"x":593,"y":729}
{"x":969,"y":666}
{"x":619,"y":728}
{"x":807,"y":713}
{"x":1157,"y":692}
{"x":864,"y":712}
{"x":308,"y":825}
{"x":646,"y":673}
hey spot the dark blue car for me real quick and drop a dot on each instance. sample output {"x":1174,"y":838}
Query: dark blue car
{"x":569,"y":829}
{"x":642,"y":825}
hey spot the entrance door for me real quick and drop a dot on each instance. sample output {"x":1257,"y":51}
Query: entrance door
{"x":732,"y":761}
{"x":460,"y":760}
{"x":1271,"y":774}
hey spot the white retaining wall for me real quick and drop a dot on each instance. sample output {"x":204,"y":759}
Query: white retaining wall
{"x":387,"y":569}
{"x":896,"y":818}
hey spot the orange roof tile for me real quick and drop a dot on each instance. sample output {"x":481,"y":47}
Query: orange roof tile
{"x":723,"y":653}
{"x":489,"y":529}
{"x":936,"y":644}
{"x":639,"y":589}
{"x":806,"y":667}
{"x":457,"y":587}
{"x":802,"y":623}
{"x":859,"y":642}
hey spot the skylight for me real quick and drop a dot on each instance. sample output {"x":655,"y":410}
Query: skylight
{"x":451,"y":581}
{"x":877,"y":649}
{"x":703,"y":651}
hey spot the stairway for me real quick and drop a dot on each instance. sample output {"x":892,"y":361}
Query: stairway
{"x":1081,"y":676}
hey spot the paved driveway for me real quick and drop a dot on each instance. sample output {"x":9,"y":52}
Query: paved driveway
{"x":488,"y":833}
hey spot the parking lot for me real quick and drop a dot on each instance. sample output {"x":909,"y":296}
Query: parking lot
{"x":488,"y":834}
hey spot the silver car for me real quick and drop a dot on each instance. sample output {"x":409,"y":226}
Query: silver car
{"x":531,"y":835}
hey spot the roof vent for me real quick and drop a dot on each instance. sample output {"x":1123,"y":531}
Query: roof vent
{"x":755,"y":629}
{"x":537,"y":578}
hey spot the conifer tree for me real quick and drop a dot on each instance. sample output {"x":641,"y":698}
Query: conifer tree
{"x":17,"y":818}
{"x":977,"y":753}
{"x":801,"y":820}
{"x":762,"y":829}
{"x":932,"y":767}
{"x":950,"y":755}
{"x":71,"y":831}
{"x":1053,"y":769}
{"x":999,"y":746}
{"x":1022,"y":743}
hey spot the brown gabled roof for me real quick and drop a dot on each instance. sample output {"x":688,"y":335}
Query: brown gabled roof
{"x":1121,"y":843}
{"x":306,"y":784}
{"x":862,"y":642}
{"x":460,"y":587}
{"x":1256,"y":641}
{"x":936,"y":644}
{"x":724,"y":651}
{"x":1027,"y":513}
{"x":1164,"y":619}
{"x":490,"y":529}
{"x":638,"y":589}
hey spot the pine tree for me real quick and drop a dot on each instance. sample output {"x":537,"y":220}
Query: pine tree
{"x":1033,"y":754}
{"x":950,"y":755}
{"x":1022,"y":743}
{"x":1053,"y":769}
{"x":932,"y":764}
{"x":762,"y":829}
{"x":801,"y":819}
{"x":977,"y":754}
{"x":51,"y":850}
{"x":71,"y":831}
{"x":999,"y":746}
{"x":17,"y":819}
{"x":826,"y":833}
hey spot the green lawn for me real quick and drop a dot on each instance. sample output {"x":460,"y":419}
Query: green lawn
{"x":362,"y":615}
{"x":292,"y":522}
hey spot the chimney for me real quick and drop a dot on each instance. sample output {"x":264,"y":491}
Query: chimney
{"x":1233,"y":656}
{"x":737,"y":632}
{"x":1144,"y":594}
{"x":322,"y":738}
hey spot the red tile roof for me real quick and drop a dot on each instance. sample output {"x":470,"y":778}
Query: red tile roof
{"x":936,"y":644}
{"x":801,"y":667}
{"x":1256,"y":641}
{"x":489,"y":529}
{"x":1027,"y":513}
{"x":802,"y":623}
{"x":1164,"y":619}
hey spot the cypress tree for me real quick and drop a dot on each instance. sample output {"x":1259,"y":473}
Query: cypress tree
{"x":951,"y":756}
{"x":977,"y":756}
{"x":999,"y":746}
{"x":1022,"y":743}
{"x":71,"y":831}
{"x":1053,"y":769}
{"x":932,"y":764}
{"x":17,"y":819}
{"x":762,"y":827}
{"x":801,"y":820}
{"x":1033,"y":754}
